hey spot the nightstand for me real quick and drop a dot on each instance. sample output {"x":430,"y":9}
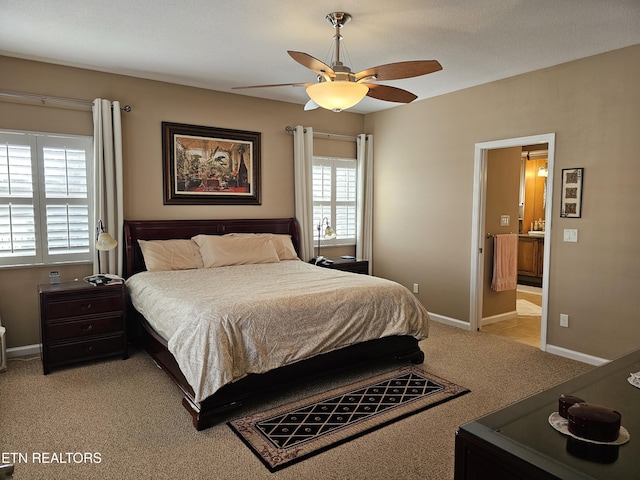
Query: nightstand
{"x":81,"y":322}
{"x":349,"y":265}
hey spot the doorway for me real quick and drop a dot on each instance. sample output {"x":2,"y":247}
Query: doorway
{"x":478,"y":232}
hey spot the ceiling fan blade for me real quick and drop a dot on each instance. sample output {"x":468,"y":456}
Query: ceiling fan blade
{"x":396,"y":71}
{"x":310,"y":105}
{"x":306,"y":84}
{"x":389,"y":94}
{"x":311,"y":63}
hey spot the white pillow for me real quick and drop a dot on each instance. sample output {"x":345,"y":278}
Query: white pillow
{"x":164,"y":255}
{"x":223,"y":250}
{"x":282,"y":243}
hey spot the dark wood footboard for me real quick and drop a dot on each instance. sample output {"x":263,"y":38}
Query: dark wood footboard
{"x":233,"y":395}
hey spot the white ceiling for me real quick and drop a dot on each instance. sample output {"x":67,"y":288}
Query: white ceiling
{"x":218,"y":44}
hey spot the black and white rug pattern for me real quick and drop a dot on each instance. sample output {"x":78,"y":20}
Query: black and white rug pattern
{"x":290,"y":433}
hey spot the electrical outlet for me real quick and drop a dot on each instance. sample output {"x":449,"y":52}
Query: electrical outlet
{"x":564,"y":320}
{"x":415,"y":288}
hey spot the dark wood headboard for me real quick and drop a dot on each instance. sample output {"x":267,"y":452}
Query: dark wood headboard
{"x":135,"y":230}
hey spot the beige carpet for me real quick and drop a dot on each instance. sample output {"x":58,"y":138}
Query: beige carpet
{"x":129,"y":413}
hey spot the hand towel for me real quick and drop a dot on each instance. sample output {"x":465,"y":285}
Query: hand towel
{"x":505,"y":262}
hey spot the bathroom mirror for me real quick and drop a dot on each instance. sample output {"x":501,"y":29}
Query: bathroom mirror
{"x":533,"y":189}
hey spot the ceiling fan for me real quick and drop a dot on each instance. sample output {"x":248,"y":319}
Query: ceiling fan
{"x":338,"y":88}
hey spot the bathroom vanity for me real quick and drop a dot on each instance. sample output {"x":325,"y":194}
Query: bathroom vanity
{"x":530,"y":259}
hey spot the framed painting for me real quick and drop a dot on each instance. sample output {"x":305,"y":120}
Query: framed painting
{"x":571,"y":194}
{"x":210,"y":166}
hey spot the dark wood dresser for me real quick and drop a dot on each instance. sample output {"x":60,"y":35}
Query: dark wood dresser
{"x":81,"y":322}
{"x":517,"y":442}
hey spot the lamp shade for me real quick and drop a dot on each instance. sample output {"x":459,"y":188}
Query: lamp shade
{"x":106,"y":242}
{"x":337,"y":95}
{"x":329,"y":233}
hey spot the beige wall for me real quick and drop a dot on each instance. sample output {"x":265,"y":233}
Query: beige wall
{"x":424,"y":156}
{"x":152,"y":102}
{"x":502,"y":195}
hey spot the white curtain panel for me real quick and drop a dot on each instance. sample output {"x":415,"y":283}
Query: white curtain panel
{"x":107,"y":149}
{"x":303,"y":165}
{"x":364,"y":224}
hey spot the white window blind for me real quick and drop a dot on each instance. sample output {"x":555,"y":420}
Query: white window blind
{"x":45,"y":198}
{"x":334,"y":197}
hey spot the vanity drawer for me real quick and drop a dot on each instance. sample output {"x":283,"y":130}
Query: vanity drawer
{"x":82,"y":306}
{"x":83,"y":328}
{"x":85,"y":350}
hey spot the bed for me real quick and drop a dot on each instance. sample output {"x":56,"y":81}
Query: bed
{"x":229,"y":332}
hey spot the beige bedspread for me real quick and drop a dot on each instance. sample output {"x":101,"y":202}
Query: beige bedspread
{"x":224,"y":323}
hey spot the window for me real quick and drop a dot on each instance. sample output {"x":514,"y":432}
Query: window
{"x":45,"y":198}
{"x":334,"y":197}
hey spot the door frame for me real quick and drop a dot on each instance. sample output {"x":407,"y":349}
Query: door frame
{"x":478,"y":228}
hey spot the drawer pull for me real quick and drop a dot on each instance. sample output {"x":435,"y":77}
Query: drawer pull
{"x":87,"y":328}
{"x":88,"y":349}
{"x":86,"y":307}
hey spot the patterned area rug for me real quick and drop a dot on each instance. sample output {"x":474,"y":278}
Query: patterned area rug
{"x":298,"y":430}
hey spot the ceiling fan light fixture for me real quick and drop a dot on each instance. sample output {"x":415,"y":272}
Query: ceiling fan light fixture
{"x":337,"y":95}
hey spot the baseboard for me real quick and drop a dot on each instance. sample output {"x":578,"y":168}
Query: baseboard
{"x":562,"y":352}
{"x":573,"y":355}
{"x":454,"y":322}
{"x":24,"y":350}
{"x":498,"y":318}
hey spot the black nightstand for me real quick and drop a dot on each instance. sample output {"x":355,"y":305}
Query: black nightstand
{"x":348,"y":265}
{"x":81,"y":322}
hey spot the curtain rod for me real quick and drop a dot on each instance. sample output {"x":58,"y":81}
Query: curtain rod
{"x":46,"y":98}
{"x":353,"y":138}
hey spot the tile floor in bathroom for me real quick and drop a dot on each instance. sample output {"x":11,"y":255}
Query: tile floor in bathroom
{"x":524,"y":329}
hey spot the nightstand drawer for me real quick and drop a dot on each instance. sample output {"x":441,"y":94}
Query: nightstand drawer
{"x":348,"y":265}
{"x":82,"y":306}
{"x":95,"y":348}
{"x":81,"y":322}
{"x":82,"y":328}
{"x":361,"y":267}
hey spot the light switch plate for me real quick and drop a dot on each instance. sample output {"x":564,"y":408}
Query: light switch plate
{"x":570,"y":235}
{"x":504,"y":220}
